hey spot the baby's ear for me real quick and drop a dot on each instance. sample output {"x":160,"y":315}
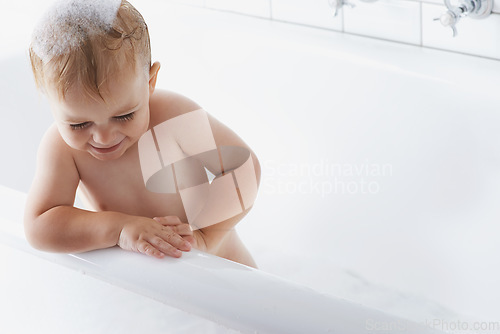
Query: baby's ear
{"x":153,"y":75}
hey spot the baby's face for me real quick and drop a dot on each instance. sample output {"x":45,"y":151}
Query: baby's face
{"x":105,"y":129}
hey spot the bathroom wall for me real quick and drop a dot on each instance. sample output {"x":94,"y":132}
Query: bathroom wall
{"x":406,"y":21}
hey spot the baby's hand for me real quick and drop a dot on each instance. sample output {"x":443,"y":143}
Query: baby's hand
{"x":155,"y":237}
{"x":183,"y":229}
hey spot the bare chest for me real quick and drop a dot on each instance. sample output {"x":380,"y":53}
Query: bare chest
{"x":118,"y":186}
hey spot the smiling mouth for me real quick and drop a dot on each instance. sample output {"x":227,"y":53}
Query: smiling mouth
{"x":107,"y":149}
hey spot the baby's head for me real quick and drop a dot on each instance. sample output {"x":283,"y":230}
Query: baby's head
{"x":83,"y":42}
{"x":92,"y":58}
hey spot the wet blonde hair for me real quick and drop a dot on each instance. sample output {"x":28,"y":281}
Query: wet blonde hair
{"x":88,"y":57}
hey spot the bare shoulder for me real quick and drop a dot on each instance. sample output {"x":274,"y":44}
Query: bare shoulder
{"x":52,"y":140}
{"x":53,"y":149}
{"x":166,"y":104}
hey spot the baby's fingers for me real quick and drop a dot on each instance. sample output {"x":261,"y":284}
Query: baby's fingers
{"x":175,"y":224}
{"x":146,"y":248}
{"x":168,"y":248}
{"x":183,"y":229}
{"x":174,"y":239}
{"x":169,"y":220}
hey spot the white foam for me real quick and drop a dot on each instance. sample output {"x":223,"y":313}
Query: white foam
{"x":66,"y":24}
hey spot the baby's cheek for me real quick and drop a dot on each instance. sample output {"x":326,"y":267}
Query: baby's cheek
{"x":75,"y":140}
{"x":140,"y":126}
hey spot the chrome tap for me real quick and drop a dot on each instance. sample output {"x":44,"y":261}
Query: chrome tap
{"x":476,"y":9}
{"x":337,"y":4}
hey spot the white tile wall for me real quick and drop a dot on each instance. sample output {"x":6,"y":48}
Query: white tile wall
{"x":316,"y":13}
{"x":407,"y":21}
{"x":200,"y":3}
{"x":250,"y":7}
{"x":394,"y":20}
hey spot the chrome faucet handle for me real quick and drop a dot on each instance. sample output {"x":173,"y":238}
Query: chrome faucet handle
{"x":476,"y":9}
{"x":337,"y":4}
{"x":449,"y":19}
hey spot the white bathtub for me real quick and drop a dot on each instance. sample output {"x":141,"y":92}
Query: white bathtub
{"x":114,"y":291}
{"x":380,"y":180}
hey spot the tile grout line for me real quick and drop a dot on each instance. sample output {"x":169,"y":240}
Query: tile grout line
{"x":421,"y":25}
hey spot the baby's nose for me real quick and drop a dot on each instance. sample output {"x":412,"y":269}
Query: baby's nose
{"x":103,"y":136}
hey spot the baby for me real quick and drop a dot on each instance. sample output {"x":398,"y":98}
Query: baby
{"x":158,"y":173}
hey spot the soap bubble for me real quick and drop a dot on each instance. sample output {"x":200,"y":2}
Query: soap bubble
{"x":68,"y":23}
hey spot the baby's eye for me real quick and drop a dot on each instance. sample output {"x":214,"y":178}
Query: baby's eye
{"x":79,"y":126}
{"x":126,"y":117}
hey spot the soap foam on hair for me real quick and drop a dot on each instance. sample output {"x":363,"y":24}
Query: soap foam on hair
{"x":68,"y":23}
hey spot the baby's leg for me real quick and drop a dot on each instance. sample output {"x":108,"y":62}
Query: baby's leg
{"x":233,"y":249}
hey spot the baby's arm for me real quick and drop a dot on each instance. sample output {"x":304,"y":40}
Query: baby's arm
{"x":167,"y":106}
{"x":216,"y":234}
{"x":53,"y":224}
